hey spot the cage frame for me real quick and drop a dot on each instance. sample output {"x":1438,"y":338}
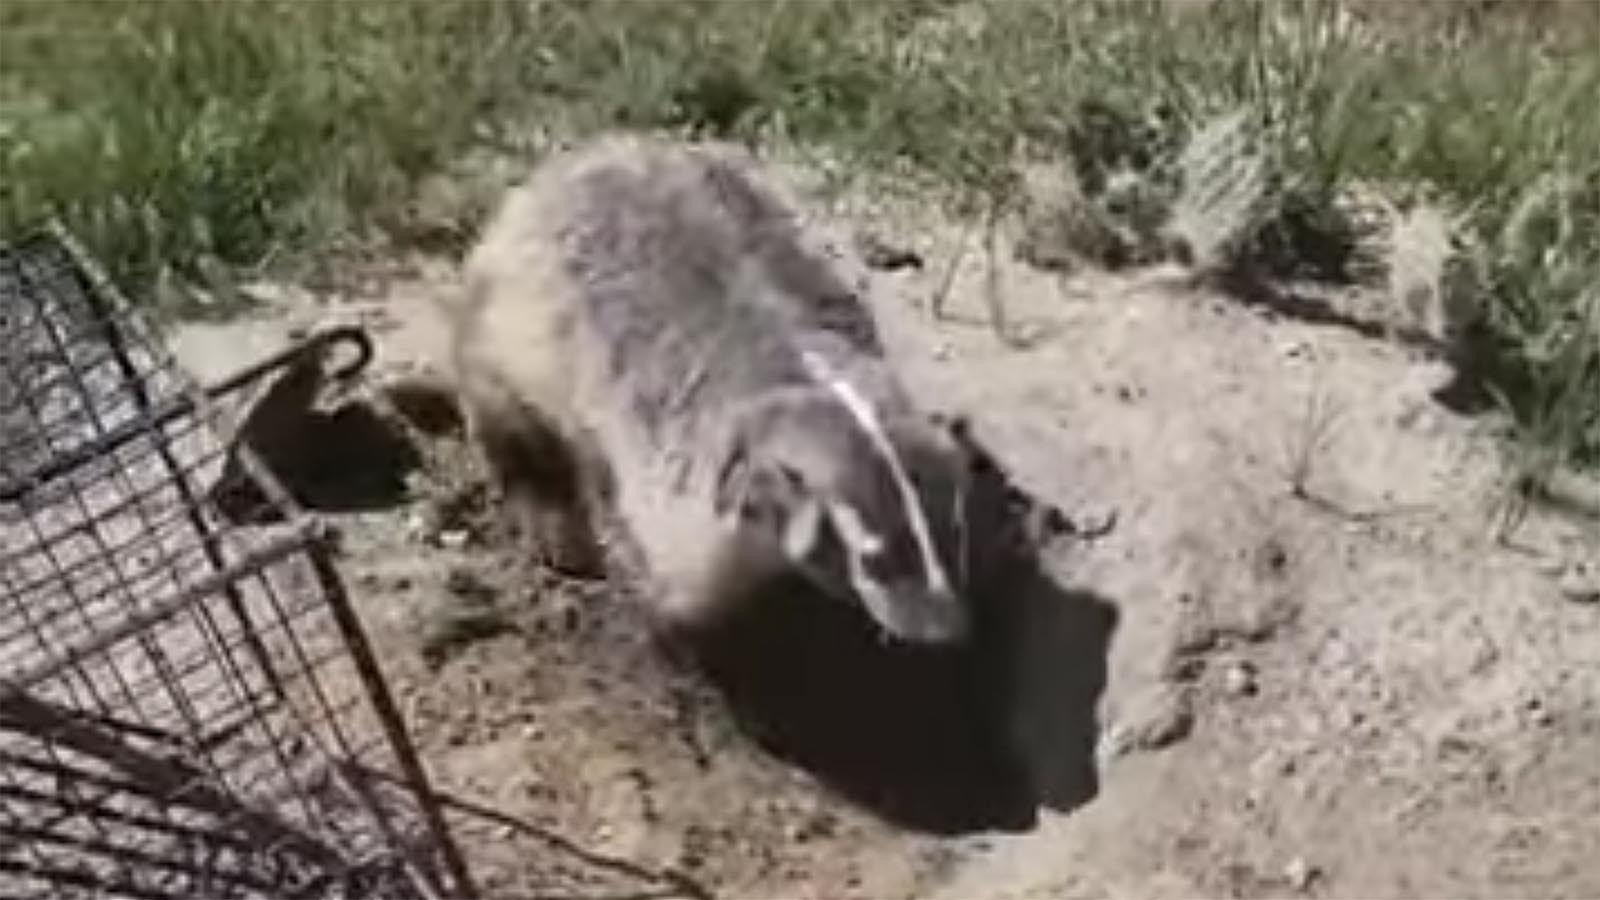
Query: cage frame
{"x":437,"y":868}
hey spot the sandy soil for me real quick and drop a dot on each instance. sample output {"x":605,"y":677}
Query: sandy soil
{"x":1283,"y":656}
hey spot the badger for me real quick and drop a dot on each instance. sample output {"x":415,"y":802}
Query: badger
{"x":645,"y":327}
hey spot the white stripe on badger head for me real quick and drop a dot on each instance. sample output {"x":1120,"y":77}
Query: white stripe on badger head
{"x":862,"y":412}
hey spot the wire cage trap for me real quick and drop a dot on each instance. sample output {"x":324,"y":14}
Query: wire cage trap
{"x":188,"y":708}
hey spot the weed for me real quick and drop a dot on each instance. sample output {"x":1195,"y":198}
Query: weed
{"x":1311,"y":439}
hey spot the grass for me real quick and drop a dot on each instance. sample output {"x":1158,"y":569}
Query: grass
{"x":186,"y":141}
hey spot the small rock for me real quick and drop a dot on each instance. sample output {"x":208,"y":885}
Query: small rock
{"x":1295,"y":349}
{"x":1239,"y":679}
{"x":453,"y":539}
{"x":878,"y":253}
{"x":1538,"y":713}
{"x":1301,"y":874}
{"x":1580,"y":583}
{"x":417,"y":527}
{"x":1272,"y":558}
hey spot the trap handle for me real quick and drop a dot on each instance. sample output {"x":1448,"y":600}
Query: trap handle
{"x":313,"y":343}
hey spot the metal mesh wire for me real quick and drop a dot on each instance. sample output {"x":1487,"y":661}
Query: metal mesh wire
{"x":187,"y":709}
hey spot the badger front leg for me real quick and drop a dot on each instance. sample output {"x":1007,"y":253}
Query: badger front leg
{"x":542,"y":488}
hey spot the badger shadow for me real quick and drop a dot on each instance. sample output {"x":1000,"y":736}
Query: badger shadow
{"x":943,"y":740}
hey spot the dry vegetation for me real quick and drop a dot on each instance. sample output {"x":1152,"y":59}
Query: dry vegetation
{"x":186,"y":140}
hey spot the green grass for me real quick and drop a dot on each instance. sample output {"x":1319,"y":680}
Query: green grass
{"x":184,"y":134}
{"x":186,"y":138}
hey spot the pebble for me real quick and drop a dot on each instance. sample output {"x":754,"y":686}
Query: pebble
{"x":417,"y":527}
{"x":1580,"y":583}
{"x":1538,"y":713}
{"x":1300,"y":874}
{"x":453,"y":539}
{"x":1239,"y":679}
{"x":883,"y":255}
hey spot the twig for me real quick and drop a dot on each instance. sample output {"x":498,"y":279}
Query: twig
{"x":936,"y":306}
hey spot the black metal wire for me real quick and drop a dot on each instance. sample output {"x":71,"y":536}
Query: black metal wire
{"x":182,"y":701}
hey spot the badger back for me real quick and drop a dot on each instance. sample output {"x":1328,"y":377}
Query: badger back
{"x":691,"y":275}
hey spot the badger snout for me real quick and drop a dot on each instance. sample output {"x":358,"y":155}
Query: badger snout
{"x":917,"y":612}
{"x":929,"y":616}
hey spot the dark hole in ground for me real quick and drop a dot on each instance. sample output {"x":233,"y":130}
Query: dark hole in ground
{"x":941,"y":740}
{"x":344,"y":460}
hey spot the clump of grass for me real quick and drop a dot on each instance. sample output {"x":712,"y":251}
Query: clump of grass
{"x":188,"y":137}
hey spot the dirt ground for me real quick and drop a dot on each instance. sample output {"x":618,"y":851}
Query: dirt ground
{"x":1279,"y":653}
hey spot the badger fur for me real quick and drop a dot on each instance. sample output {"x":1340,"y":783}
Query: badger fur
{"x":644,"y":324}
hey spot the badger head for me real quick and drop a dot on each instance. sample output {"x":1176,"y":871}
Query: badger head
{"x":868,"y":508}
